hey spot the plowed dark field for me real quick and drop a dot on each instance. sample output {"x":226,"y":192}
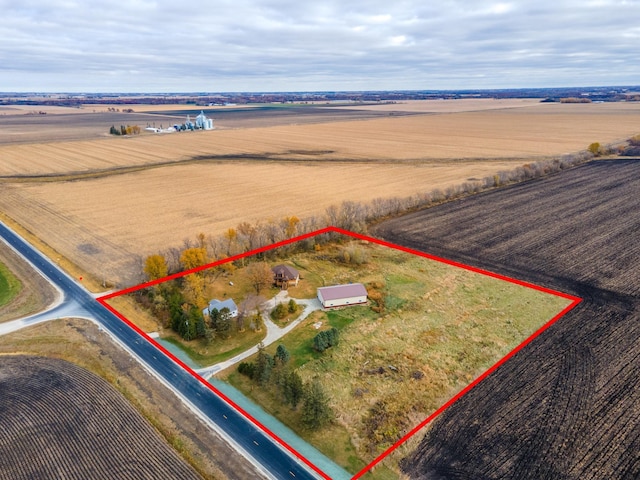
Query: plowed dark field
{"x":58,"y":420}
{"x":568,"y":404}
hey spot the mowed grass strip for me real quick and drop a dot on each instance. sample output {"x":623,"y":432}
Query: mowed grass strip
{"x":10,"y":286}
{"x":439,"y":328}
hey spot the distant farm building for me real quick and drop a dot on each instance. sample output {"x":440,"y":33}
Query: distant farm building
{"x":204,"y":123}
{"x":219,"y":305}
{"x":342,"y":295}
{"x":285,"y":276}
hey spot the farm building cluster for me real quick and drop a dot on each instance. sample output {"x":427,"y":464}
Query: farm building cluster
{"x":202,"y":122}
{"x":285,"y":276}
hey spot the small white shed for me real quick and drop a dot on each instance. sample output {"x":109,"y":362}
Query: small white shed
{"x":342,"y":295}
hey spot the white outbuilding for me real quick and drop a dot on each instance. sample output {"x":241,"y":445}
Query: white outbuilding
{"x":342,"y":295}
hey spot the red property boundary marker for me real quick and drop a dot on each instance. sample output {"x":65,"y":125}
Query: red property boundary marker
{"x":574,"y":301}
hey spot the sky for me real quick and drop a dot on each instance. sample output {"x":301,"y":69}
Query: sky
{"x":309,"y":45}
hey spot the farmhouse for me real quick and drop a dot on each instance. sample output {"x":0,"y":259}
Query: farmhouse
{"x":342,"y":295}
{"x":219,"y":305}
{"x":285,"y":276}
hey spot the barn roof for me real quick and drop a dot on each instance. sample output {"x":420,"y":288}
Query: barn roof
{"x":336,"y":292}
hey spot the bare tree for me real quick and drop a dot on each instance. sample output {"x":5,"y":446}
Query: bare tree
{"x":260,"y":276}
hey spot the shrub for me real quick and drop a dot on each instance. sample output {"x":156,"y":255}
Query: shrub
{"x":292,"y":306}
{"x":280,"y":311}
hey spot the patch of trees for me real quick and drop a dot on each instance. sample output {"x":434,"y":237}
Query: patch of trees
{"x":326,"y":339}
{"x":632,"y":149}
{"x":274,"y":374}
{"x":125,"y":130}
{"x":349,"y":215}
{"x":353,"y":254}
{"x":282,"y":310}
{"x":575,"y":100}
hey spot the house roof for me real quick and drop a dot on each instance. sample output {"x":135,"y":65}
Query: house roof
{"x":285,"y":271}
{"x":219,"y":305}
{"x":336,"y":292}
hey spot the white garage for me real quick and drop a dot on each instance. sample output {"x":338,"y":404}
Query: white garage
{"x":342,"y":295}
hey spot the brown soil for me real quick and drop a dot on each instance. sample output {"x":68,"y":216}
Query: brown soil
{"x":59,"y":420}
{"x":568,"y":404}
{"x":62,"y":423}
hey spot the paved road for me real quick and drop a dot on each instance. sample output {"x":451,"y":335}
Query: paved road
{"x":276,"y":463}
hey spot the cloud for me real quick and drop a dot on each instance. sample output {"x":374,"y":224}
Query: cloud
{"x":290,"y":45}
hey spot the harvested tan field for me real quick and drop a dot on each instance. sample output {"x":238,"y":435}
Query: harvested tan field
{"x":105,"y":224}
{"x":527,"y":132}
{"x":447,"y":106}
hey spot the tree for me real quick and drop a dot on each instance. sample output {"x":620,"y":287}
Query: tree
{"x":292,"y":389}
{"x":316,"y":411}
{"x":282,"y":354}
{"x":264,"y":366}
{"x":280,"y":311}
{"x":595,"y":149}
{"x":155,"y":267}
{"x":223,"y":325}
{"x":194,"y":290}
{"x":260,"y":276}
{"x":326,"y":339}
{"x":291,"y":225}
{"x":193,"y":257}
{"x":292,"y":306}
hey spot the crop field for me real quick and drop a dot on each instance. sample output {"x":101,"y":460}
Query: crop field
{"x":58,"y":417}
{"x":81,"y":343}
{"x":524,"y":133}
{"x":211,"y":181}
{"x":568,"y":404}
{"x":106,"y":224}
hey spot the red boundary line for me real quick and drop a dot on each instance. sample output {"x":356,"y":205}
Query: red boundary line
{"x":574,"y":301}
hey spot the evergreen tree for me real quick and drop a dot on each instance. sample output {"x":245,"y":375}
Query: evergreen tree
{"x":292,"y":389}
{"x":320,"y":341}
{"x":282,"y":354}
{"x":264,"y":365}
{"x":223,"y":324}
{"x":214,"y":317}
{"x":316,"y":411}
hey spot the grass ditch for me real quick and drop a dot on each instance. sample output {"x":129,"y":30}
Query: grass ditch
{"x":10,"y":286}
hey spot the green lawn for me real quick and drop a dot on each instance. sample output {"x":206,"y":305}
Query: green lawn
{"x":10,"y":286}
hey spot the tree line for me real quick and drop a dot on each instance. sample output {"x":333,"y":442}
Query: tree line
{"x":125,"y":130}
{"x":274,"y":374}
{"x":349,"y":215}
